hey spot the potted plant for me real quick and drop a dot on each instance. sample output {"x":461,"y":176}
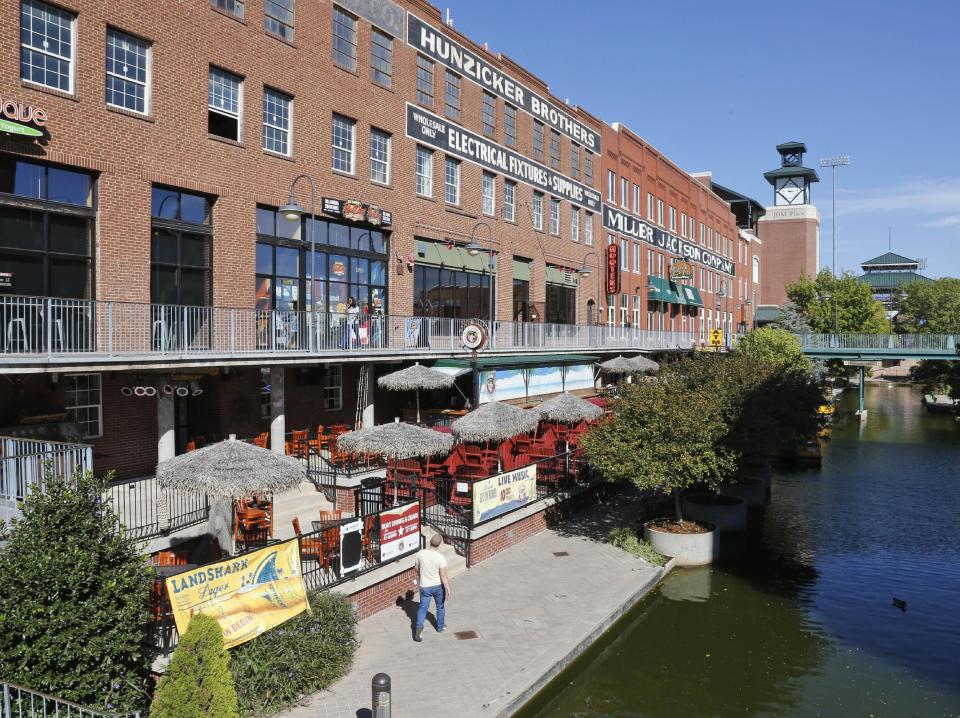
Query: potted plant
{"x":668,"y":437}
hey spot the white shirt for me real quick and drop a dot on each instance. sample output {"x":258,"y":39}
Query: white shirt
{"x":430,"y":562}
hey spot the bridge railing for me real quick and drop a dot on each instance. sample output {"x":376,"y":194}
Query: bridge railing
{"x":907,"y":343}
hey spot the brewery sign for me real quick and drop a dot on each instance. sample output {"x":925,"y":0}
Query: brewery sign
{"x":680,"y":269}
{"x":356,"y":211}
{"x":613,"y":269}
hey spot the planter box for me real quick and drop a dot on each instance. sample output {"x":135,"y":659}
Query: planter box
{"x":727,"y":513}
{"x":686,"y":549}
{"x":752,"y":491}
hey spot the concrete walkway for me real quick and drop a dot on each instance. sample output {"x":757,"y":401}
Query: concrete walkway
{"x":531,"y":609}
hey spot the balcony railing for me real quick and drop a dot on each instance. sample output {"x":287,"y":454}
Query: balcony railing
{"x":945,"y":343}
{"x":48,"y":327}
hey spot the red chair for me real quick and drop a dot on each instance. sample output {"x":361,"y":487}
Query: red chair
{"x":310,"y":546}
{"x":262,"y":440}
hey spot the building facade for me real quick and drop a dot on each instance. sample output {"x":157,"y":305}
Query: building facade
{"x":889,"y":276}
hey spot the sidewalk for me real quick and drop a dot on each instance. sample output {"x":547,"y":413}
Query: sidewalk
{"x":529,"y":607}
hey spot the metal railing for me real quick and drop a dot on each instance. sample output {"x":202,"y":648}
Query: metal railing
{"x":20,"y":702}
{"x":26,"y":463}
{"x":907,"y":343}
{"x":46,"y":326}
{"x":137,"y":504}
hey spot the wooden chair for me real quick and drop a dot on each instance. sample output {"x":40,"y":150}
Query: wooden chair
{"x":262,"y":440}
{"x":309,"y":546}
{"x":299,"y":441}
{"x":366,"y":542}
{"x":191,"y":446}
{"x":251,"y":525}
{"x":330,"y":543}
{"x":316,"y":444}
{"x":333,"y":515}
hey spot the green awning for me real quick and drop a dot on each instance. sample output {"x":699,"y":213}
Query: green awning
{"x":690,"y":295}
{"x":521,"y":270}
{"x":662,"y":290}
{"x":555,"y":275}
{"x":516,"y":361}
{"x":450,"y":257}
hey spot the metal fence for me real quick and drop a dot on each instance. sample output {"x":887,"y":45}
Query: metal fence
{"x":32,"y":326}
{"x":20,"y":702}
{"x":26,"y":463}
{"x":137,"y":504}
{"x":946,"y":343}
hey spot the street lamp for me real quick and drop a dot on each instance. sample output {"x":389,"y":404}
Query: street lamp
{"x":825,"y":297}
{"x":473,"y":249}
{"x":292,"y":212}
{"x":833,"y":163}
{"x":721,"y":295}
{"x":585,"y":272}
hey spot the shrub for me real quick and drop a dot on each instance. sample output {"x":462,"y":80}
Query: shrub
{"x":308,"y":653}
{"x":74,"y":595}
{"x":198,"y":683}
{"x":627,"y":539}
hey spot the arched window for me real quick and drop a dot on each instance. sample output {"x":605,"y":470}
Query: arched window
{"x":756,"y":270}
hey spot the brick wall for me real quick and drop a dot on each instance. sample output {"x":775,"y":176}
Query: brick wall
{"x":129,"y":442}
{"x":502,"y":539}
{"x":385,"y":594}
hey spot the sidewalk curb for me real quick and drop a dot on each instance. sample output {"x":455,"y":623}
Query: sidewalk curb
{"x":518,"y":701}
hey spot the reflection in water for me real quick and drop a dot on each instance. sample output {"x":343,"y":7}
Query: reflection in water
{"x":798,"y":619}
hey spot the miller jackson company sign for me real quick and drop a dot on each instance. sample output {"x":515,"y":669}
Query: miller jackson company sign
{"x":17,"y":118}
{"x":434,"y":44}
{"x":626,"y":224}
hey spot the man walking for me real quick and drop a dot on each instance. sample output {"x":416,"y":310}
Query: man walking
{"x":432,"y":568}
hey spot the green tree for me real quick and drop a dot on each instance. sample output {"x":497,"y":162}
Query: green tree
{"x":792,"y":319}
{"x":776,"y":346}
{"x":932,"y":307}
{"x":74,"y":595}
{"x":667,"y":436}
{"x":838,"y":304}
{"x":198,"y":682}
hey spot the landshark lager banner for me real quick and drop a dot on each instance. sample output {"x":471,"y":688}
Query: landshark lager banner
{"x":246,"y":595}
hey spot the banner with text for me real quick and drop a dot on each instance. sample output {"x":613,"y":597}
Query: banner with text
{"x":630,"y":226}
{"x":435,"y":131}
{"x":499,"y":494}
{"x":246,"y":595}
{"x":399,"y":531}
{"x":441,"y":48}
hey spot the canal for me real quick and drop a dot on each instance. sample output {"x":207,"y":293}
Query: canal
{"x":798,"y":620}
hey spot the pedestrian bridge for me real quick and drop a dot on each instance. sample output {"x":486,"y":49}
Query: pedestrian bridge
{"x":866,"y":347}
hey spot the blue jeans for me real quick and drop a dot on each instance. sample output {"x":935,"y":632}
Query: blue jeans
{"x":426,"y":593}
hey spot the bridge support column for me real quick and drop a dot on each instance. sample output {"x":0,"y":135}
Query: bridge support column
{"x":861,"y":411}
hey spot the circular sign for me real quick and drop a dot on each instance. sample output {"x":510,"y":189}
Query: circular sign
{"x":473,"y":336}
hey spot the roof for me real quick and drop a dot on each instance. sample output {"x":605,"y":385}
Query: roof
{"x":791,"y":171}
{"x":793,"y":146}
{"x":730,"y":195}
{"x":891,"y":280}
{"x":766,"y":313}
{"x":890,"y":258}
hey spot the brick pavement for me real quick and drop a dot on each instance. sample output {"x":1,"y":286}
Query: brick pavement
{"x":530,"y":609}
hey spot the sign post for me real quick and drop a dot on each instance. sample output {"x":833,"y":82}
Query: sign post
{"x":716,"y":337}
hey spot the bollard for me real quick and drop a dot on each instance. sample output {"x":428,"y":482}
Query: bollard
{"x":381,"y":695}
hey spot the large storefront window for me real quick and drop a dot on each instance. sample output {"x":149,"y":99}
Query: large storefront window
{"x":180,"y":248}
{"x":350,"y":261}
{"x":561,"y":304}
{"x":449,"y":283}
{"x":47,"y":225}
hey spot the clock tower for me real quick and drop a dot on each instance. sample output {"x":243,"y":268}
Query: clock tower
{"x":790,"y":230}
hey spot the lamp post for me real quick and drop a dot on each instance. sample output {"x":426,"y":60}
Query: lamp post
{"x":473,"y":249}
{"x":292,"y":212}
{"x":721,"y":295}
{"x":833,"y":163}
{"x":825,"y":297}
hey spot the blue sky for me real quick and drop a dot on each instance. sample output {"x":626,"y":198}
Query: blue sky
{"x":716,"y":86}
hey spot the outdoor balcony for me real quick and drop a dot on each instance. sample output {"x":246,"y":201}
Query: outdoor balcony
{"x":38,"y":332}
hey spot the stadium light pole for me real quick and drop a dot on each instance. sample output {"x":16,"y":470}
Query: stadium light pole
{"x":833,"y":163}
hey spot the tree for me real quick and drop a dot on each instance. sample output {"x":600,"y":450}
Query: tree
{"x":838,"y":304}
{"x":198,"y":682}
{"x":74,"y":595}
{"x":932,"y":307}
{"x":776,"y":346}
{"x":667,"y":436}
{"x":792,"y":319}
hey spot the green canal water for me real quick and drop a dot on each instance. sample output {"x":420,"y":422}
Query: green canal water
{"x":798,"y":618}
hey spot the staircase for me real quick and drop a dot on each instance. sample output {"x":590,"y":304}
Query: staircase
{"x":456,"y":564}
{"x":304,"y":502}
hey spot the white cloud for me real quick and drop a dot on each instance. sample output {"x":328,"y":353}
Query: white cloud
{"x":923,"y":196}
{"x":951,"y":220}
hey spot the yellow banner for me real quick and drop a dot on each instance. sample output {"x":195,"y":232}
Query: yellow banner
{"x":247,"y":595}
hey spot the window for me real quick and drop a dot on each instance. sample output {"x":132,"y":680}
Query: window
{"x":611,"y":186}
{"x":555,"y":216}
{"x":47,"y":45}
{"x":333,"y":388}
{"x":683,"y":224}
{"x":489,"y":114}
{"x":509,"y":125}
{"x":538,"y":140}
{"x":379,"y":156}
{"x":424,"y":80}
{"x":756,"y":270}
{"x":624,"y":196}
{"x":624,"y":255}
{"x":673,"y":219}
{"x":636,"y":199}
{"x":451,"y":99}
{"x":451,"y":180}
{"x":344,"y":39}
{"x":560,"y":306}
{"x":128,"y":72}
{"x":588,"y":167}
{"x":180,"y":251}
{"x":555,"y":149}
{"x":344,"y":130}
{"x":660,"y":212}
{"x":381,"y":58}
{"x":224,"y":100}
{"x":636,"y":258}
{"x":701,"y":233}
{"x":588,"y":228}
{"x":538,"y":210}
{"x":521,"y":296}
{"x":276,"y":121}
{"x":231,"y":7}
{"x":83,"y":400}
{"x":452,"y":293}
{"x":575,"y":160}
{"x":489,"y":193}
{"x":278,"y":18}
{"x":575,"y":224}
{"x":509,"y":200}
{"x":424,"y":171}
{"x":48,"y":246}
{"x":649,"y":206}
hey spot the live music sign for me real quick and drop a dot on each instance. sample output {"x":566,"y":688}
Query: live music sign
{"x":613,"y":269}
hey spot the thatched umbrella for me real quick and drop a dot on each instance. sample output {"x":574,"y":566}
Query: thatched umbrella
{"x":415,"y":378}
{"x":396,"y":441}
{"x":568,"y":409}
{"x":494,"y":422}
{"x":231,"y":469}
{"x":618,"y":365}
{"x":644,"y":365}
